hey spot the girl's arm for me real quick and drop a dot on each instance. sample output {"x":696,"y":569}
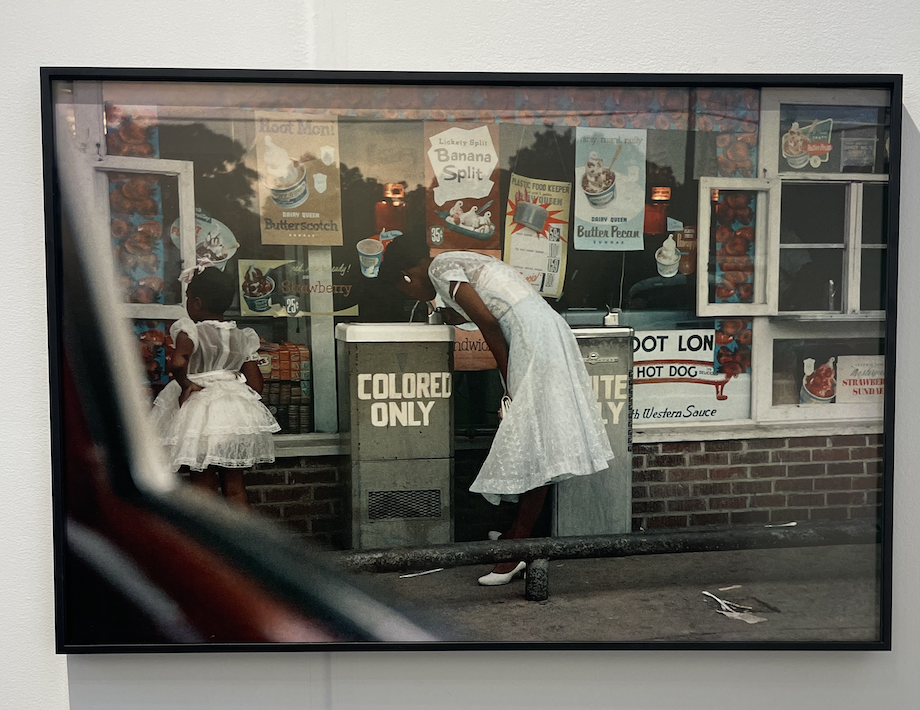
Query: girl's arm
{"x":253,"y":375}
{"x":179,"y":370}
{"x":467,"y":298}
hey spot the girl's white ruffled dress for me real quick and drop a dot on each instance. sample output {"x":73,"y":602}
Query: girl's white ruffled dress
{"x":225,"y":424}
{"x":553,"y":430}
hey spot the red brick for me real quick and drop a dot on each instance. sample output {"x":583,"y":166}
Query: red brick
{"x":708,"y":459}
{"x":875,"y":466}
{"x":681,"y":447}
{"x":866,"y":482}
{"x":720,"y":474}
{"x":851,"y":498}
{"x":875,"y":439}
{"x":647,"y":506}
{"x":638,"y":462}
{"x":809,"y":442}
{"x":851,"y":468}
{"x":805,"y":500}
{"x":750,"y":517}
{"x":829,"y":514}
{"x":748,"y":487}
{"x":794,"y":484}
{"x":325,"y":525}
{"x":686,"y":505}
{"x":768,"y":471}
{"x":833,"y":483}
{"x":711,"y":489}
{"x":758,"y":444}
{"x":723,"y":446}
{"x":866,"y":452}
{"x":709,"y":518}
{"x":327,"y":492}
{"x":646,"y":448}
{"x":253,"y":496}
{"x":669,"y":490}
{"x":727,"y":503}
{"x":795,"y":455}
{"x":668,"y":521}
{"x":302,"y":525}
{"x":687,"y":474}
{"x":770,"y":501}
{"x":789,"y":515}
{"x":873,"y":497}
{"x":306,"y":510}
{"x":641,"y":476}
{"x":805,"y":469}
{"x":666,"y":460}
{"x":317,"y":475}
{"x":265,"y":478}
{"x":848,"y":440}
{"x":865,"y":511}
{"x":639,"y":492}
{"x":830,"y":455}
{"x":750,"y":457}
{"x":286,"y":494}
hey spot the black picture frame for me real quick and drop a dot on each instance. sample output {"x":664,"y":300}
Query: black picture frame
{"x":264,"y":566}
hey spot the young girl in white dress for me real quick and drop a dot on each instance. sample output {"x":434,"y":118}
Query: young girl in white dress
{"x":553,"y":429}
{"x":210,"y":417}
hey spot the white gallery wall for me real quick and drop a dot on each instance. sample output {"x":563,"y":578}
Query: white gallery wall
{"x":759,"y":36}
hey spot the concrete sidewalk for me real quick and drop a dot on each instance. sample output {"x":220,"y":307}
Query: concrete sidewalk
{"x":804,"y":594}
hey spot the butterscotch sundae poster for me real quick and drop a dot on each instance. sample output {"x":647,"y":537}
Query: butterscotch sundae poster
{"x":461,"y":173}
{"x":300,"y":198}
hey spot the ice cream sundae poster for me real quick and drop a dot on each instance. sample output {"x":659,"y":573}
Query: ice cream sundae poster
{"x":461,"y":174}
{"x":807,"y":146}
{"x":861,"y":379}
{"x":537,"y":231}
{"x":282,"y":289}
{"x":675,"y":379}
{"x":609,"y":188}
{"x":299,"y":194}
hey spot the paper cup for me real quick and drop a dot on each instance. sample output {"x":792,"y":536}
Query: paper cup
{"x":599,"y":199}
{"x":667,"y":268}
{"x":292,"y":195}
{"x":260,"y":304}
{"x":370,"y":254}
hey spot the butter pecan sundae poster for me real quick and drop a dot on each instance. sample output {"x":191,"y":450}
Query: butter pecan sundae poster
{"x":300,"y":199}
{"x":609,"y":188}
{"x":537,"y":231}
{"x":461,"y":175}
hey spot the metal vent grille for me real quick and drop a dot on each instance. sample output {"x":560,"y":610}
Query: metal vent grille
{"x":383,"y":505}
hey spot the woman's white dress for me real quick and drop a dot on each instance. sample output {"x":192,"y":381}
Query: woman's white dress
{"x":225,"y":424}
{"x":553,"y":430}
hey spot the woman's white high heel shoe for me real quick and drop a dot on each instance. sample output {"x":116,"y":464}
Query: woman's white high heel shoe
{"x":496,"y":580}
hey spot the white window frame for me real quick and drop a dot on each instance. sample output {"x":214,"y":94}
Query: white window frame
{"x":766,"y":251}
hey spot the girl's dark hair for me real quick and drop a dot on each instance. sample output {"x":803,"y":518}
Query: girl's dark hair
{"x":403,"y":252}
{"x":214,"y":287}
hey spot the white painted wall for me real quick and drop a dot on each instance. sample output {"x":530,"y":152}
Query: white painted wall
{"x":478,"y":35}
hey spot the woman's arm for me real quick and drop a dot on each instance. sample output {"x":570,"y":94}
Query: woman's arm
{"x":179,"y":369}
{"x":253,"y":375}
{"x":467,"y":298}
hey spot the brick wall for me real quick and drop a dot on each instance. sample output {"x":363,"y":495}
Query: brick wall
{"x":305,"y":495}
{"x":758,"y":481}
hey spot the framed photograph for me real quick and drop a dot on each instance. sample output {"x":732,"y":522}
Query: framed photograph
{"x":355,"y":361}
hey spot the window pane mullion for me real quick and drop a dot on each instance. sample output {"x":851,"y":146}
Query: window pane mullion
{"x":853,"y":254}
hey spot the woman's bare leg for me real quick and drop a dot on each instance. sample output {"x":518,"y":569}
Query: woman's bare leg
{"x":231,"y":482}
{"x":530,"y":505}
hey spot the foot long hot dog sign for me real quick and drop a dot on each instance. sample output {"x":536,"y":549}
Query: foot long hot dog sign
{"x":675,"y":379}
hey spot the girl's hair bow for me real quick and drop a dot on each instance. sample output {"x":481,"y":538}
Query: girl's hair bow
{"x":188,"y":274}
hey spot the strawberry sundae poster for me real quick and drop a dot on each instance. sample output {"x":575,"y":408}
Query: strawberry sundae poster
{"x":462,"y":200}
{"x":537,"y":231}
